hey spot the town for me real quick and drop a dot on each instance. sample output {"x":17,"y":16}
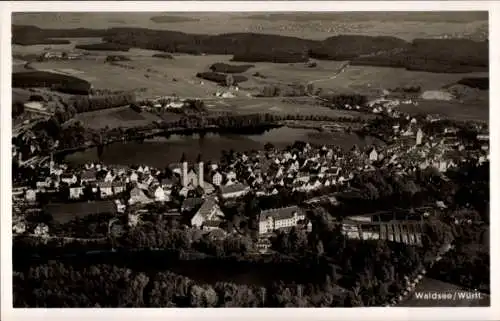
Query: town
{"x":173,"y":179}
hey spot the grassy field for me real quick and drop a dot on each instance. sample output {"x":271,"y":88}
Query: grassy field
{"x":312,"y":26}
{"x":277,"y":106}
{"x":429,"y":285}
{"x":478,"y":111}
{"x":115,"y":117}
{"x":374,"y":79}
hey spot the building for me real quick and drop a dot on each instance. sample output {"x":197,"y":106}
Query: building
{"x":106,"y":189}
{"x":75,"y":192}
{"x":275,"y":219}
{"x":373,"y":155}
{"x":208,"y":212}
{"x":234,"y":190}
{"x":30,"y":195}
{"x":217,"y":179}
{"x":137,"y":196}
{"x":419,"y":137}
{"x":118,"y":187}
{"x":69,"y":179}
{"x":37,"y":108}
{"x":159,"y":194}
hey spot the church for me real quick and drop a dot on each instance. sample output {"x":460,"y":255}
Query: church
{"x":193,"y":177}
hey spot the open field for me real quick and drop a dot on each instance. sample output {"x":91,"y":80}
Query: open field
{"x":115,"y":117}
{"x":478,"y":111}
{"x":373,"y":79}
{"x":306,"y":25}
{"x":429,"y":285}
{"x":277,"y":106}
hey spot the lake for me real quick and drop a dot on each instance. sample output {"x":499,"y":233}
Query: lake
{"x":160,"y":151}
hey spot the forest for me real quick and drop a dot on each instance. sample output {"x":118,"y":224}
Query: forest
{"x":482,"y":83}
{"x":105,"y":46}
{"x":59,"y":82}
{"x":433,"y":55}
{"x":221,"y":78}
{"x":229,"y":69}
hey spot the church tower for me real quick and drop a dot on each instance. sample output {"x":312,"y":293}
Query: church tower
{"x":420,"y":136}
{"x":184,"y":171}
{"x":201,"y":176}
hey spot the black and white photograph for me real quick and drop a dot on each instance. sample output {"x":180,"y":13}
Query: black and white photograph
{"x":182,"y":159}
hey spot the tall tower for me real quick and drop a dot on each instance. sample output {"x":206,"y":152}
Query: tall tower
{"x":184,"y":171}
{"x":420,"y":135}
{"x":201,"y":176}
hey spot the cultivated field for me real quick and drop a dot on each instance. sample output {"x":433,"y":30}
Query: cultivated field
{"x":373,"y":79}
{"x":115,"y":117}
{"x":313,"y":26}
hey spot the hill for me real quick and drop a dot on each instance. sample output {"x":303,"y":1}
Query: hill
{"x":434,"y":55}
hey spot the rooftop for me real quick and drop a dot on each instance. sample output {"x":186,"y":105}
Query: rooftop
{"x":280,"y":213}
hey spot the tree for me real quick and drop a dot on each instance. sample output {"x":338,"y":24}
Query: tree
{"x":229,"y":80}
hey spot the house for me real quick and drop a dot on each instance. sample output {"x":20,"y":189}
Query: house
{"x":109,"y":177}
{"x":159,"y":194}
{"x":373,"y":155}
{"x":231,"y":176}
{"x":118,"y":187}
{"x":88,"y":176}
{"x":234,"y":190}
{"x":274,"y":219}
{"x":41,"y":230}
{"x":137,"y":196}
{"x":30,"y":195}
{"x":419,"y":137}
{"x":69,"y":179}
{"x":75,"y":192}
{"x":209,"y":214}
{"x":19,"y":228}
{"x":106,"y":189}
{"x":134,"y":177}
{"x":217,"y":179}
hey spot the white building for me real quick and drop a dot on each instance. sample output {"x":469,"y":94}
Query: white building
{"x":274,"y":219}
{"x":75,"y":192}
{"x":217,"y":179}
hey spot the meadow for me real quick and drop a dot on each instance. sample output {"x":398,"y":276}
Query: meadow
{"x":116,"y":117}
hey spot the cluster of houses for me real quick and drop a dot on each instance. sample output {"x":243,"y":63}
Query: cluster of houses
{"x":60,"y":55}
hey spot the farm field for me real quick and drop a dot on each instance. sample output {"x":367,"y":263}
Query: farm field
{"x":277,"y":106}
{"x":367,"y":79}
{"x":311,"y":26}
{"x":115,"y":117}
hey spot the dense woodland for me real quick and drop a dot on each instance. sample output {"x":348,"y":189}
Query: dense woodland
{"x":221,"y":78}
{"x":59,"y":82}
{"x":229,"y":69}
{"x":434,"y":55}
{"x":482,"y":83}
{"x":105,"y":46}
